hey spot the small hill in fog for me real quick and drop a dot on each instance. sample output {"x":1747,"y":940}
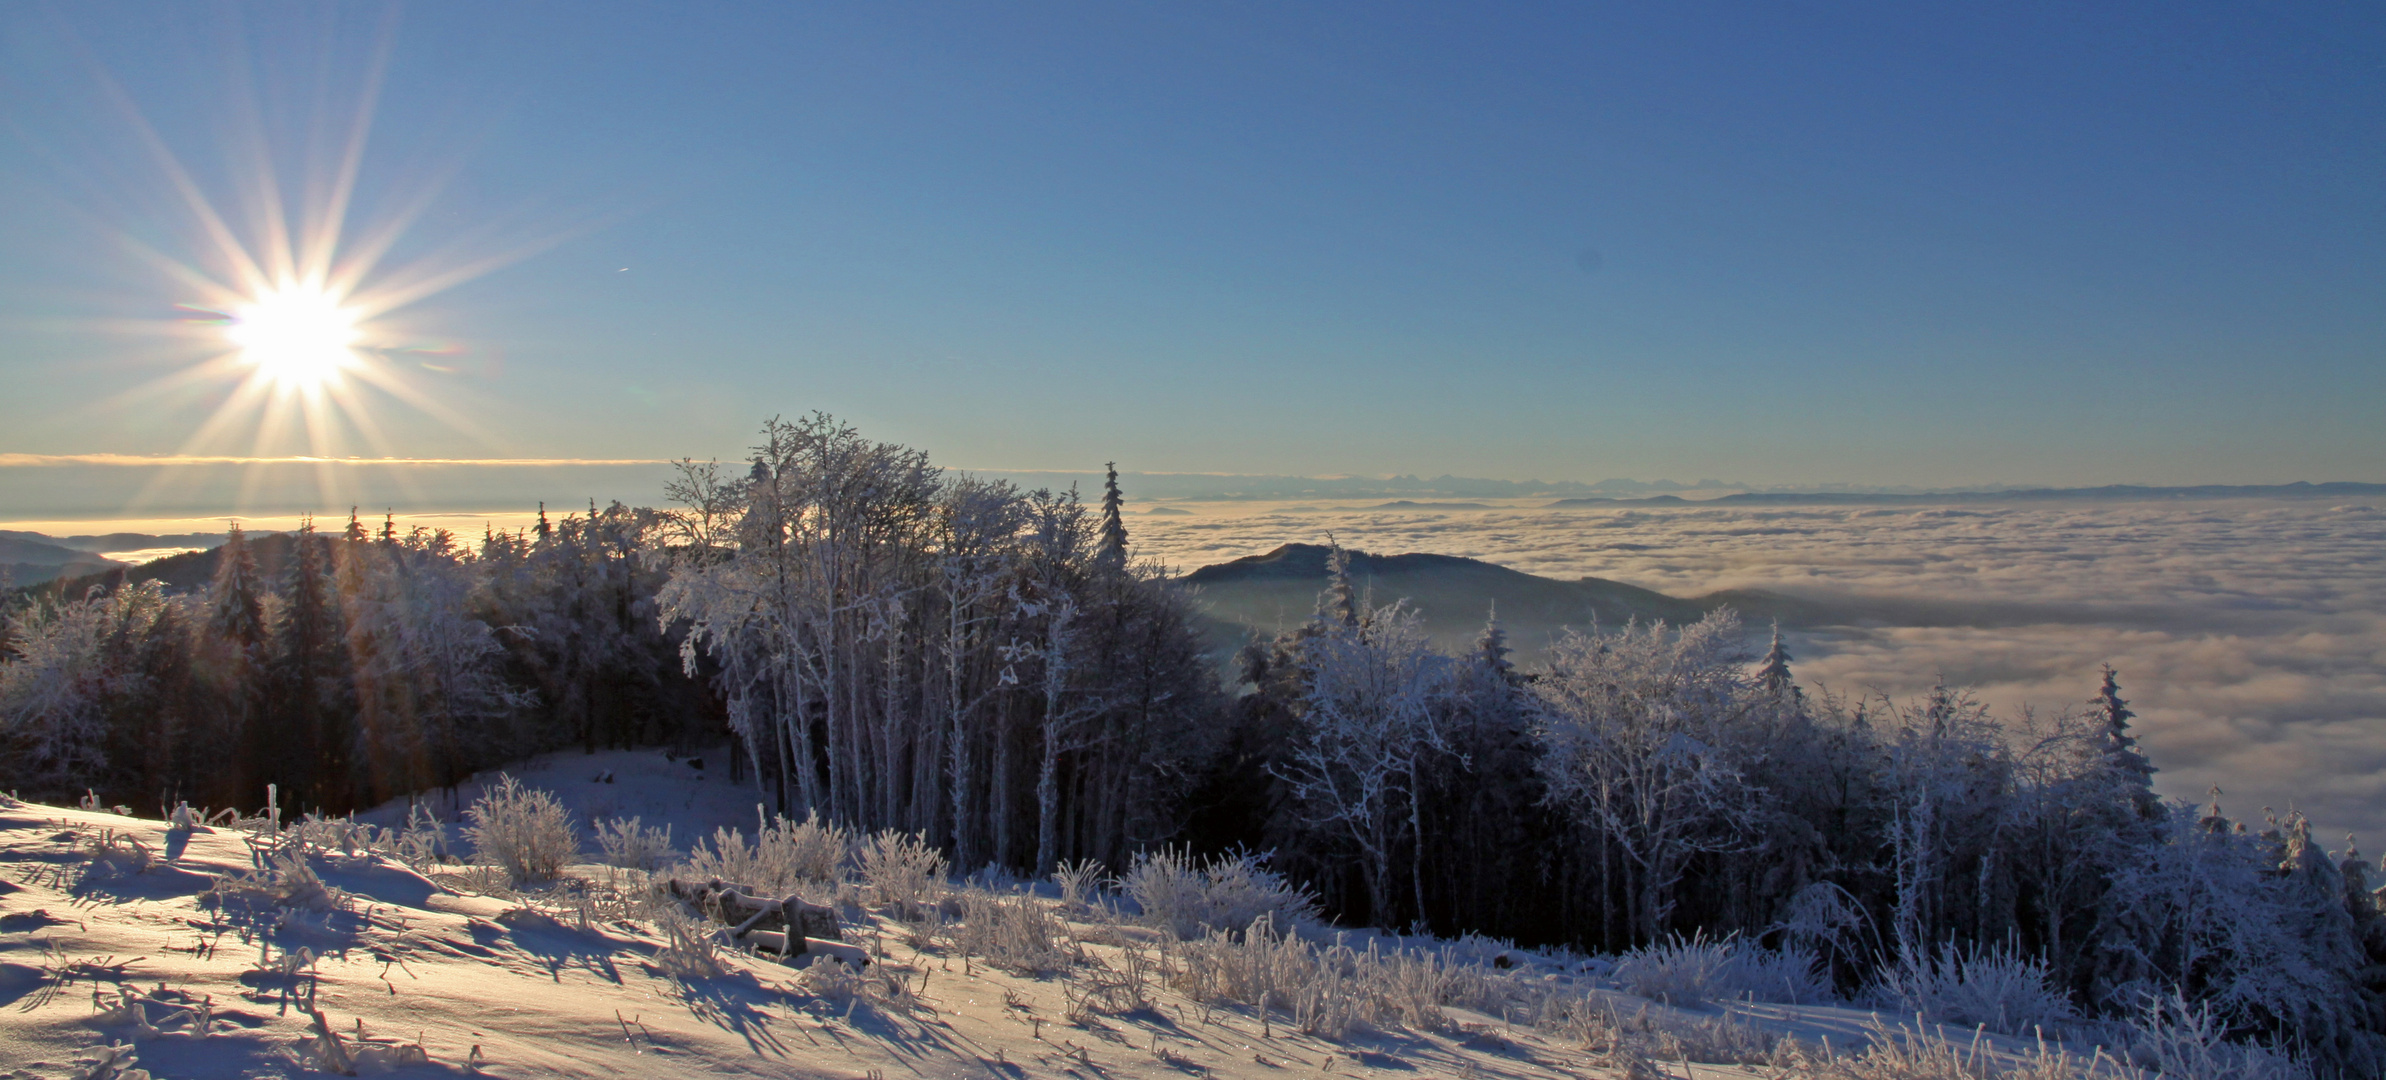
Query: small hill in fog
{"x":1270,"y":592}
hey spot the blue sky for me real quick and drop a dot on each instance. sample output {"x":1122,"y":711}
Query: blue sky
{"x":1781,"y":243}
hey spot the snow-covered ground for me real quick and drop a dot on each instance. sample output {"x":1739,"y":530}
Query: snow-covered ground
{"x":691,"y":795}
{"x":103,"y":943}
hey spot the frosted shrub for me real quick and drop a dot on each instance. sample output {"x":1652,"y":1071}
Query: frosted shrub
{"x":1630,"y":1045}
{"x":424,"y":840}
{"x":2182,"y":1041}
{"x":1188,"y":897}
{"x":1916,"y":1053}
{"x":1078,"y":881}
{"x":523,"y":830}
{"x":1990,"y":987}
{"x":831,"y":980}
{"x":1328,"y":990}
{"x":1695,"y":970}
{"x":1321,"y":986}
{"x":1413,"y":987}
{"x":903,"y":872}
{"x":691,"y":949}
{"x":631,"y":846}
{"x":1016,"y":933}
{"x":320,"y":835}
{"x":783,"y":854}
{"x":114,"y":854}
{"x":285,"y":879}
{"x":1729,"y":1039}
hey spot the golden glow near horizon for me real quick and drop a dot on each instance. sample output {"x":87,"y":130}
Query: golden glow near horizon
{"x":297,"y":335}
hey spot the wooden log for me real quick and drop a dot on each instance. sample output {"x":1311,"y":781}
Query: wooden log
{"x":852,"y":955}
{"x":773,"y":941}
{"x":815,"y":920}
{"x":749,"y":914}
{"x":748,"y":925}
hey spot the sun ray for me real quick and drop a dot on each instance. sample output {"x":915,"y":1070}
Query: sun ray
{"x":324,"y":242}
{"x":289,"y":276}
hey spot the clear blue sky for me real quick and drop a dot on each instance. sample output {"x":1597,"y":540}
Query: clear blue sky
{"x":1785,"y":243}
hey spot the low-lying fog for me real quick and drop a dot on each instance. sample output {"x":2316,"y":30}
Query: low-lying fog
{"x":2250,"y":635}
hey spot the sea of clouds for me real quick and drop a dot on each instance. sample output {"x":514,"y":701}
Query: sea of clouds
{"x":2250,"y":635}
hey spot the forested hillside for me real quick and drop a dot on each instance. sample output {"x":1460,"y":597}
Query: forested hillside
{"x":894,"y":647}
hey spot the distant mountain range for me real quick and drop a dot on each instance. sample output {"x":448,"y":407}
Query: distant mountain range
{"x":118,"y":541}
{"x":1451,"y":489}
{"x":30,"y":558}
{"x":2107,"y":493}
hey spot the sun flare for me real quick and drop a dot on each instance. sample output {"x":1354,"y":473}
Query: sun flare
{"x":298,"y":336}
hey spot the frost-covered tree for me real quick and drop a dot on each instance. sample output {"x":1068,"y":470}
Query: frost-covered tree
{"x":2128,"y":769}
{"x":2254,"y":927}
{"x":1638,"y":730}
{"x":1773,"y":678}
{"x":433,"y":700}
{"x":57,"y":694}
{"x":1375,"y":706}
{"x":901,"y":649}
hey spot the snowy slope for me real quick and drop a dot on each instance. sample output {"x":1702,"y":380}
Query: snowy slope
{"x":417,"y":978}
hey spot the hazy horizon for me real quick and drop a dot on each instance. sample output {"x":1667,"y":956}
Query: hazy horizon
{"x":70,"y":493}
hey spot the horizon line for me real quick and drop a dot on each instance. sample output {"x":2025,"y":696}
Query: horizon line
{"x":177,"y":460}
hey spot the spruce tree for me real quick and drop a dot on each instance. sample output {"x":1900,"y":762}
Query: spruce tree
{"x":231,"y":644}
{"x":236,"y":608}
{"x":1339,"y":603}
{"x":1111,"y":548}
{"x":2122,"y":761}
{"x":1491,"y":649}
{"x":310,"y":711}
{"x":181,"y":750}
{"x":1773,"y":674}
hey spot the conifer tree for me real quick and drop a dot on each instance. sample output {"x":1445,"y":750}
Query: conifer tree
{"x":308,"y":717}
{"x":2122,"y":761}
{"x":1111,"y":544}
{"x":1773,"y":673}
{"x":1491,"y":649}
{"x":178,"y":751}
{"x":236,"y":608}
{"x":231,"y":647}
{"x":1339,"y":603}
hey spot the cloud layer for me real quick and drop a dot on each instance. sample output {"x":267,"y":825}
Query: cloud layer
{"x":2250,"y":635}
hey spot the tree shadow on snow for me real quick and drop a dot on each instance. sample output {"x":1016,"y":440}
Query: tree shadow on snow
{"x":557,"y":947}
{"x":158,"y":882}
{"x":736,"y":1002}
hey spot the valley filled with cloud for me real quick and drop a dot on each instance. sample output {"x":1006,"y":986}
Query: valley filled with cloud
{"x":2250,"y":634}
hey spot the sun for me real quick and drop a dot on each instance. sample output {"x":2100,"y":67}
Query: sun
{"x":297,"y":335}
